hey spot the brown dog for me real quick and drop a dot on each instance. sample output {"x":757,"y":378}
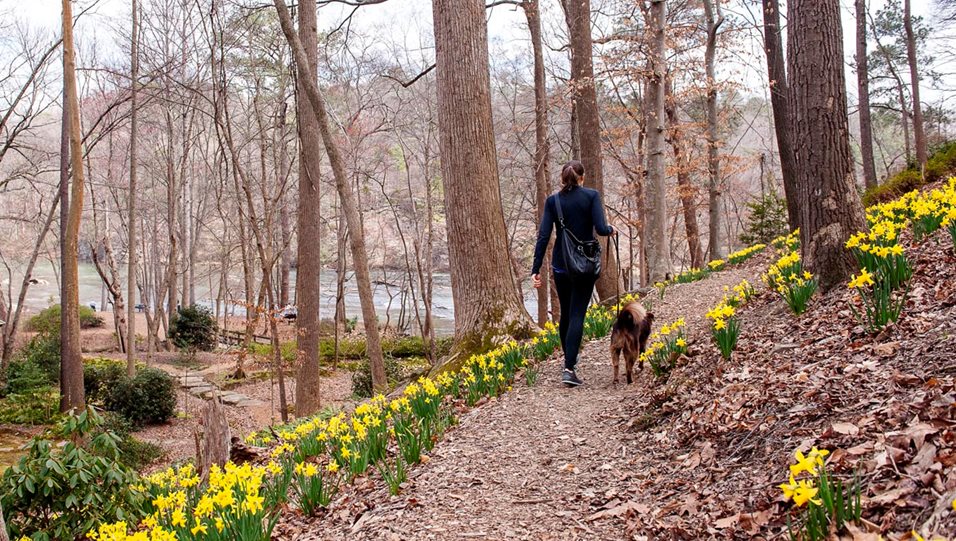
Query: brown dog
{"x":629,"y":336}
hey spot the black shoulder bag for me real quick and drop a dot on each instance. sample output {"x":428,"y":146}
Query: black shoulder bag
{"x":581,"y":259}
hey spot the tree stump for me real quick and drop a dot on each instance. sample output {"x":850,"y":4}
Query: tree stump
{"x":212,"y":445}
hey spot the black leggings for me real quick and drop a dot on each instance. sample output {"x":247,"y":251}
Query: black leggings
{"x":575,"y":296}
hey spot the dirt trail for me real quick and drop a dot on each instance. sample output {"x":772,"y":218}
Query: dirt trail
{"x":540,"y":462}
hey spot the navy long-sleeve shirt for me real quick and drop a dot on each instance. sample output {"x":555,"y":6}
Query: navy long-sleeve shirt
{"x":583,"y":215}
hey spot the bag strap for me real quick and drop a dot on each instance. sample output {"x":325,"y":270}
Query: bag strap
{"x":557,"y":203}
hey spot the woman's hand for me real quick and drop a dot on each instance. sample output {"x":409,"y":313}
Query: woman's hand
{"x":536,"y":280}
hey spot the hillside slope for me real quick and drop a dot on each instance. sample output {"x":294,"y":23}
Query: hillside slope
{"x":700,"y":455}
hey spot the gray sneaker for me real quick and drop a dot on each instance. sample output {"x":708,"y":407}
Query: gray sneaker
{"x":570,"y":379}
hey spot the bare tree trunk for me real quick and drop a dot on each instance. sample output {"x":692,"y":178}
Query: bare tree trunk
{"x":578,"y":16}
{"x":131,"y":198}
{"x":307,"y":279}
{"x":114,"y":287}
{"x":541,"y":146}
{"x":71,"y":358}
{"x":686,"y":191}
{"x":285,"y":226}
{"x":863,"y":89}
{"x":658,"y":249}
{"x":777,"y":72}
{"x":830,"y":209}
{"x":486,"y":302}
{"x":919,"y":134}
{"x":356,"y":236}
{"x":716,"y":245}
{"x":171,"y":221}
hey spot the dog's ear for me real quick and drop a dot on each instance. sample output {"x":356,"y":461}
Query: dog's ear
{"x":650,"y":317}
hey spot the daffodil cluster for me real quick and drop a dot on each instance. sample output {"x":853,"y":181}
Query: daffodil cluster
{"x":884,"y":268}
{"x":232,"y":505}
{"x":694,"y":274}
{"x":823,"y":503}
{"x":725,"y":327}
{"x":787,"y":243}
{"x":598,"y":321}
{"x":788,"y":278}
{"x":743,"y":255}
{"x":665,"y":347}
{"x":805,"y":491}
{"x":545,"y":342}
{"x":880,"y":253}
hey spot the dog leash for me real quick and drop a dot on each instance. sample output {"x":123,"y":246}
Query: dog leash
{"x":619,"y":275}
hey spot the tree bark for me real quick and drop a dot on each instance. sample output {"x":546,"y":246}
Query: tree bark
{"x":830,"y":205}
{"x":686,"y":191}
{"x":578,"y":16}
{"x":541,"y":145}
{"x":779,"y":91}
{"x":863,"y":89}
{"x":919,"y":135}
{"x":285,"y":225}
{"x":487,"y":304}
{"x":131,"y":198}
{"x":356,"y":234}
{"x":658,"y":248}
{"x":714,"y":18}
{"x":308,"y":224}
{"x":214,"y":445}
{"x":71,"y":358}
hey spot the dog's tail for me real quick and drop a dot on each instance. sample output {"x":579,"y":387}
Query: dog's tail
{"x":632,"y":315}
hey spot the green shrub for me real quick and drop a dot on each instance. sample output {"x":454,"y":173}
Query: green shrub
{"x":35,"y":406}
{"x":362,"y":377}
{"x":24,"y":376}
{"x":148,"y":398}
{"x":42,"y":352}
{"x":101,"y":378}
{"x":133,"y":453}
{"x":894,"y":187}
{"x":942,"y":164}
{"x":767,"y":219}
{"x":48,"y":320}
{"x":54,"y":493}
{"x":194,"y":329}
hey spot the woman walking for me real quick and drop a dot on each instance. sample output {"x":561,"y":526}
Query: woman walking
{"x":579,"y":211}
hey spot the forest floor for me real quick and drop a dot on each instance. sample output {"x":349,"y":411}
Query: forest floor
{"x":700,"y":455}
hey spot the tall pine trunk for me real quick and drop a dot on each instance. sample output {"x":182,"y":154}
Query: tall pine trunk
{"x":830,"y":205}
{"x":131,"y":198}
{"x":308,"y":225}
{"x":658,"y":248}
{"x":71,"y":358}
{"x":919,"y":135}
{"x":487,"y":305}
{"x":587,"y":113}
{"x":541,"y":147}
{"x":686,"y":191}
{"x":863,"y":89}
{"x":349,"y":206}
{"x":714,"y":18}
{"x":779,"y":92}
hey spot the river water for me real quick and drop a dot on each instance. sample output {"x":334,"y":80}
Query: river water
{"x":92,"y":293}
